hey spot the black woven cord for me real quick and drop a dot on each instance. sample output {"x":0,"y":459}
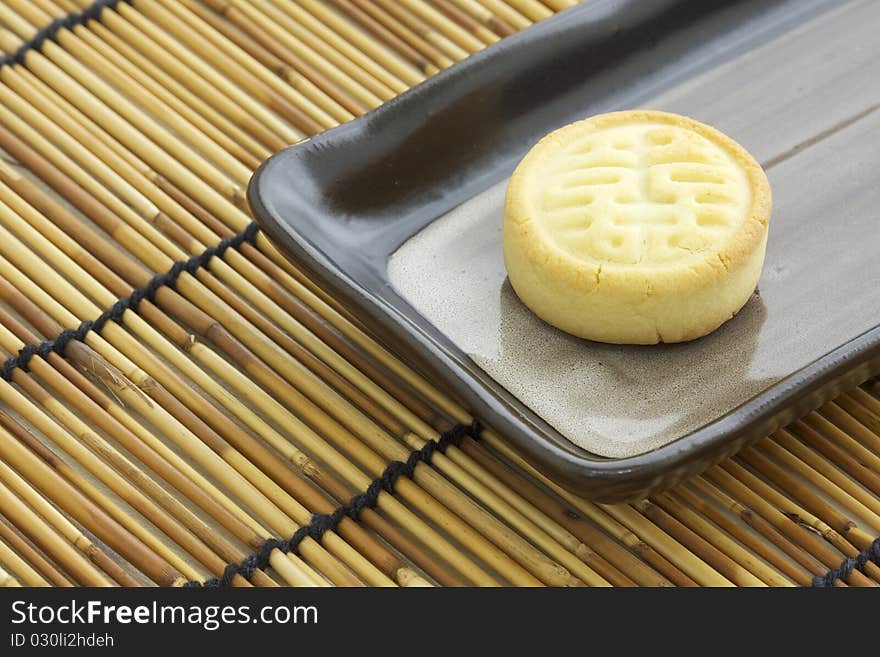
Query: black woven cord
{"x":322,"y":523}
{"x":114,"y":313}
{"x":869,"y":555}
{"x":48,"y":33}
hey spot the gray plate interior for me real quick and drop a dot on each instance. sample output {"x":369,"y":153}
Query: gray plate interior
{"x":806,"y":106}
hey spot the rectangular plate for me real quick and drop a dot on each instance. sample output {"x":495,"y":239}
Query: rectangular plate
{"x":791,"y":80}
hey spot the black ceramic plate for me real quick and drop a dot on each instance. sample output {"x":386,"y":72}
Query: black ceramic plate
{"x":791,"y":80}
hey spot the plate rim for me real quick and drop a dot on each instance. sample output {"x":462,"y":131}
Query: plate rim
{"x":606,"y":479}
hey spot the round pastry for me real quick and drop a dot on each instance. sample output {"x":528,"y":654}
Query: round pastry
{"x":636,"y":227}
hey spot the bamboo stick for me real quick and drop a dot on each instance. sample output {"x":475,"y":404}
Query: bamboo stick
{"x":74,"y":275}
{"x":740,"y":530}
{"x":190,"y":441}
{"x":413,"y":33}
{"x":308,"y":117}
{"x":484,"y":16}
{"x":108,"y":476}
{"x":51,"y":103}
{"x":144,"y":505}
{"x":465,"y":20}
{"x":396,"y":39}
{"x":793,"y":521}
{"x":55,"y":213}
{"x":596,"y":514}
{"x":342,"y":438}
{"x":841,"y":531}
{"x":232,"y":188}
{"x":866,"y":399}
{"x":10,"y":557}
{"x":610,"y":559}
{"x":214,"y":125}
{"x":753,"y":572}
{"x":105,"y":473}
{"x":769,"y":522}
{"x":47,"y":573}
{"x":166,"y":204}
{"x":532,"y":9}
{"x":856,"y":419}
{"x":120,"y":129}
{"x":298,"y":74}
{"x":137,"y":203}
{"x":847,"y":442}
{"x":146,"y":25}
{"x":385,"y":413}
{"x":498,"y":529}
{"x":131,"y":82}
{"x":669,"y":546}
{"x":223,"y":101}
{"x":8,"y":581}
{"x":560,"y":5}
{"x":407,"y":574}
{"x":133,"y":475}
{"x":369,"y":547}
{"x":198,"y":77}
{"x":228,"y":513}
{"x":364,"y":51}
{"x":132,"y":435}
{"x":72,"y":550}
{"x":294,"y":38}
{"x":728,"y":572}
{"x":506,"y":13}
{"x":92,"y":516}
{"x":790,"y":452}
{"x":562,"y":546}
{"x":17,"y":26}
{"x":842,"y":458}
{"x":77,"y":391}
{"x":394,"y":77}
{"x":444,"y":25}
{"x":142,"y":443}
{"x":57,"y":7}
{"x":399,"y":13}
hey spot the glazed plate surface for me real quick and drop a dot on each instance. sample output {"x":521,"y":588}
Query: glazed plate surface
{"x":399,"y":214}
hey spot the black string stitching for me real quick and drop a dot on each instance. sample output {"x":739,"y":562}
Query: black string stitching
{"x":49,"y":32}
{"x":114,"y":313}
{"x":169,"y":278}
{"x":322,"y":523}
{"x":871,"y":554}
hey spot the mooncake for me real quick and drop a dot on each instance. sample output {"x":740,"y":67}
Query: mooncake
{"x":636,"y":227}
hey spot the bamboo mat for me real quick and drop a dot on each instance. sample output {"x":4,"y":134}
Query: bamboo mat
{"x":240,"y":400}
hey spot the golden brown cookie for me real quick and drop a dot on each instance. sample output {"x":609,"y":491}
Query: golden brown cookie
{"x":636,"y":227}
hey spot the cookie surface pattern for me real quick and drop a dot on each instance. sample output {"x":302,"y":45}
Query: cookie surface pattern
{"x":639,"y":194}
